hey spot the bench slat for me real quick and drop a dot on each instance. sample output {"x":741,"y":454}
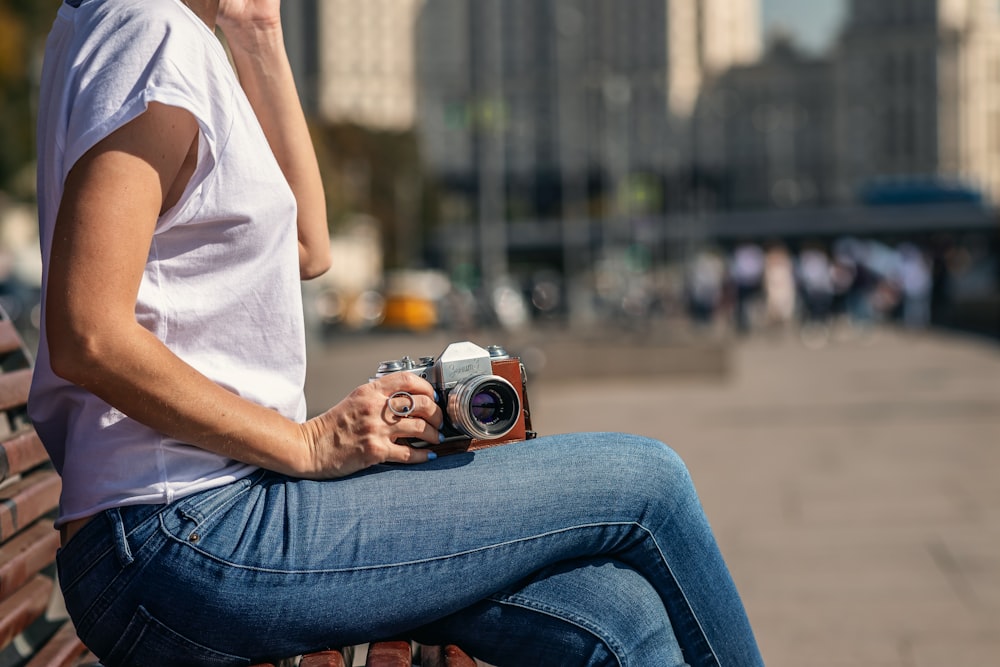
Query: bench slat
{"x":389,"y":654}
{"x":24,"y":607}
{"x":323,"y":659}
{"x":14,"y":386}
{"x":10,"y":339}
{"x":26,"y":500}
{"x":21,"y":452}
{"x":88,"y":659}
{"x":445,"y":656}
{"x":64,"y":649}
{"x":25,"y":555}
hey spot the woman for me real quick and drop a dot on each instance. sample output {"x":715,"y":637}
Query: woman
{"x":204,"y":520}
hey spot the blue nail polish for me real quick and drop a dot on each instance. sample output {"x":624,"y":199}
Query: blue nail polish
{"x":440,"y":437}
{"x":436,"y":397}
{"x":431,"y":456}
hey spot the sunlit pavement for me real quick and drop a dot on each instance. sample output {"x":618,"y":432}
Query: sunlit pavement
{"x":854,"y":488}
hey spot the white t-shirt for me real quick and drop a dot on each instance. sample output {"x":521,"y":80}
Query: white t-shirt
{"x":221,"y":285}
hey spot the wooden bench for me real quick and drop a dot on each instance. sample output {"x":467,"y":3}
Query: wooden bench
{"x":34,"y":628}
{"x":391,"y":654}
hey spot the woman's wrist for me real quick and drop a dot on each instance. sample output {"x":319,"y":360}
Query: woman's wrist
{"x":257,"y":37}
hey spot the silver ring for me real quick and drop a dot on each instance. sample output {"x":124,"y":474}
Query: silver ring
{"x":406,"y":409}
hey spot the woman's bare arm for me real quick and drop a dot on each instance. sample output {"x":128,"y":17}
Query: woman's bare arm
{"x":253,"y":32}
{"x":112,"y":199}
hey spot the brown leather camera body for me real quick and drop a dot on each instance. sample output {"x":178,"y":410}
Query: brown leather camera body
{"x":512,"y":370}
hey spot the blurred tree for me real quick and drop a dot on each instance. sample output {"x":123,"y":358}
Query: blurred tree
{"x":364,"y":171}
{"x":23,"y":26}
{"x":377,"y":173}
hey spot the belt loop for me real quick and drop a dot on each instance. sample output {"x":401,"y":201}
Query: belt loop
{"x":118,"y":535}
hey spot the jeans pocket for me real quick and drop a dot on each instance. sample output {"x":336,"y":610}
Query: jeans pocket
{"x":201,"y":508}
{"x":146,"y":642}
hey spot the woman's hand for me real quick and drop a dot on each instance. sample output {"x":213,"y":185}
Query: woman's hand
{"x":361,"y":430}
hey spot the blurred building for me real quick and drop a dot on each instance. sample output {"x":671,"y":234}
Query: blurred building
{"x":919,"y":93}
{"x":767,"y":131}
{"x":354,"y":59}
{"x":568,"y":99}
{"x":631,"y":116}
{"x":301,"y":32}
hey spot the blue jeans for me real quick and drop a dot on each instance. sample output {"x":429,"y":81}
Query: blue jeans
{"x":584,"y":549}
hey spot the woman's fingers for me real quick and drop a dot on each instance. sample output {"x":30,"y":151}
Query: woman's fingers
{"x":409,"y":396}
{"x":390,"y":419}
{"x":415,"y":428}
{"x":408,"y":454}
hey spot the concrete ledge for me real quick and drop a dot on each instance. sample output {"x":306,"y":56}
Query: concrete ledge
{"x":566,"y":358}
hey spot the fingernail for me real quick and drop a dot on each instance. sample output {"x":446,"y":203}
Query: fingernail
{"x":431,"y":456}
{"x":440,"y":437}
{"x":436,"y":397}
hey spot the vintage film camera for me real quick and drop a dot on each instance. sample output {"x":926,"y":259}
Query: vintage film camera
{"x":482,"y":392}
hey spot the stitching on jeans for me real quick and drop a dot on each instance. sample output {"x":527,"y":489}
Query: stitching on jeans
{"x":666,"y":564}
{"x":634,"y":524}
{"x":524,"y":603}
{"x":419,"y":561}
{"x":190,"y":509}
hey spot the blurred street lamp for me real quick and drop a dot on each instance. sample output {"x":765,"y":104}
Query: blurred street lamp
{"x":575,"y":218}
{"x":486,"y":17}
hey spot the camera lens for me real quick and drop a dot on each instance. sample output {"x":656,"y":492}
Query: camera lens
{"x":485,"y":407}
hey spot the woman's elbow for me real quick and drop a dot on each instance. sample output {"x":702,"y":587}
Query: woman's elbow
{"x":73,"y":358}
{"x":314,"y":263}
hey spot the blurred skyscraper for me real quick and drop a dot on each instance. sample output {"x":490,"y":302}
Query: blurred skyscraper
{"x":576,"y":95}
{"x":919,"y":92}
{"x":767,"y":131}
{"x":354,"y":59}
{"x":298,"y":18}
{"x":529,"y":109}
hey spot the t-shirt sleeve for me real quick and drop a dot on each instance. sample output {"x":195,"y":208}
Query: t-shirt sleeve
{"x":147,"y":57}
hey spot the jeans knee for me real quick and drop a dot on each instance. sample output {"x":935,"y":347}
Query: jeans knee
{"x":610,"y":613}
{"x":654,"y":465}
{"x":587,"y":613}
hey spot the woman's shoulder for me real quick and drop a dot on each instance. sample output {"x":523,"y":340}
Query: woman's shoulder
{"x":141,"y":44}
{"x":123,"y":12}
{"x":124,"y":54}
{"x":143,"y":28}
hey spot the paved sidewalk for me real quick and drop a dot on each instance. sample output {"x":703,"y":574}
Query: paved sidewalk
{"x":855,"y":489}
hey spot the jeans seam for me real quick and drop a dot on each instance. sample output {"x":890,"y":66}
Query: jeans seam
{"x":101,"y":602}
{"x":559,"y":614}
{"x":69,"y":585}
{"x":418,"y":561}
{"x":684,"y":595}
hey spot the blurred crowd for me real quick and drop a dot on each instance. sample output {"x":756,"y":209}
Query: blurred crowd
{"x":852,"y":281}
{"x":812,"y":289}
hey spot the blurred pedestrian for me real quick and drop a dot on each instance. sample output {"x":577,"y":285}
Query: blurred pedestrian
{"x":705,"y":285}
{"x":779,"y":286}
{"x":747,"y":272}
{"x":916,"y":284}
{"x":816,"y":286}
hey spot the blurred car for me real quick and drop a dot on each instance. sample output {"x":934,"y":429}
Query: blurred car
{"x":412,"y":298}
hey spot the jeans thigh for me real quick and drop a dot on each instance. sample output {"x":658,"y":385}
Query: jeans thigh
{"x":385,"y":550}
{"x":273,"y":566}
